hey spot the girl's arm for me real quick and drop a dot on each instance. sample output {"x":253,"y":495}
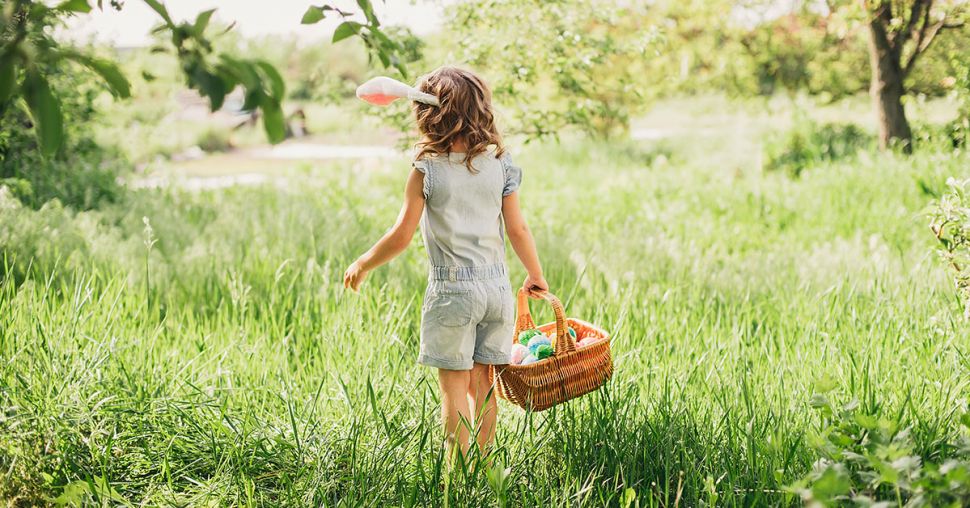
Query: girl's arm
{"x":522,"y":242}
{"x":396,"y":239}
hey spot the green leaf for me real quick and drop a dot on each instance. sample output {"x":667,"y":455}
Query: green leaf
{"x":74,"y":6}
{"x":346,"y":29}
{"x":277,"y":86}
{"x":242,"y":71}
{"x":833,"y":482}
{"x":45,"y":111}
{"x":273,"y":121}
{"x":112,"y":75}
{"x":162,"y":11}
{"x":210,"y":85}
{"x":312,"y":15}
{"x":826,"y":383}
{"x":8,"y":78}
{"x":368,"y":9}
{"x":202,"y":21}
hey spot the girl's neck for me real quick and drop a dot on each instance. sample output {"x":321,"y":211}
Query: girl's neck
{"x":458,"y":146}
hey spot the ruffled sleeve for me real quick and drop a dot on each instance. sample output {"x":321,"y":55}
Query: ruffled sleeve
{"x":513,"y":175}
{"x":424,"y":166}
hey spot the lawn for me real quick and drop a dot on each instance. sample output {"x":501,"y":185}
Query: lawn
{"x":208,"y":354}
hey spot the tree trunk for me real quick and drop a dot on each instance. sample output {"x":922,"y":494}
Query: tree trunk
{"x":886,"y":89}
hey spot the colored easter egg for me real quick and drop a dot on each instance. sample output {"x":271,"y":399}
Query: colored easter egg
{"x":519,"y":352}
{"x":525,"y":335}
{"x":572,"y":332}
{"x":529,"y":360}
{"x":537,"y":341}
{"x":543,"y":351}
{"x":587,"y":341}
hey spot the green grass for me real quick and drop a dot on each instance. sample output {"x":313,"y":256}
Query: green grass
{"x":226,"y":365}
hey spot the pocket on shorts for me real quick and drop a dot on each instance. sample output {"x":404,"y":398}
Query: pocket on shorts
{"x":451,"y":307}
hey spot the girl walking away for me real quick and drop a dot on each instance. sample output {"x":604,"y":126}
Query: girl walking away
{"x":462,"y":190}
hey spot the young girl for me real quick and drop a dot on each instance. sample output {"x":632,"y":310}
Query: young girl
{"x":462,"y":190}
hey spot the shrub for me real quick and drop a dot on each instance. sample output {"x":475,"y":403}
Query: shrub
{"x":214,"y":140}
{"x":808,"y":143}
{"x":950,"y":222}
{"x":82,"y":175}
{"x":870,"y":460}
{"x":948,"y":136}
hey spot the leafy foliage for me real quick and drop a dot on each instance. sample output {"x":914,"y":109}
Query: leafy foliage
{"x":556,"y":64}
{"x":28,"y":51}
{"x":386,"y":48}
{"x":808,"y":144}
{"x":83,"y":174}
{"x":950,"y":223}
{"x":869,"y":460}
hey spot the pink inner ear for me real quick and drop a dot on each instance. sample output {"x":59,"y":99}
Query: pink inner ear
{"x":379,"y":99}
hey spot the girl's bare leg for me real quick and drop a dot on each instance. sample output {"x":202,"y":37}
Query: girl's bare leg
{"x":484,"y":408}
{"x":454,"y":407}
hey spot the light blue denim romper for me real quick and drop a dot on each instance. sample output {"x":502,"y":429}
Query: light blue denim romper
{"x":468,"y":313}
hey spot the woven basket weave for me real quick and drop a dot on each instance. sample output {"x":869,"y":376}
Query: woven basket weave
{"x":570,"y":373}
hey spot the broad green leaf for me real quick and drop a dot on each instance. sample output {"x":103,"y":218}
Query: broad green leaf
{"x":117,"y":82}
{"x":826,"y":383}
{"x":252,"y":99}
{"x":202,"y":21}
{"x":273,"y":121}
{"x":346,"y":29}
{"x":8,"y":78}
{"x":833,"y":482}
{"x":242,"y":71}
{"x":45,"y":111}
{"x":210,"y":85}
{"x":312,"y":15}
{"x":277,"y":86}
{"x":74,"y":6}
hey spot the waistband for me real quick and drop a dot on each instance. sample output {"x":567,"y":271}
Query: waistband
{"x":454,"y":273}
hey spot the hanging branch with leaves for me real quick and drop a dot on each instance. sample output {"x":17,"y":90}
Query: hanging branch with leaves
{"x":29,"y":53}
{"x":950,"y":223}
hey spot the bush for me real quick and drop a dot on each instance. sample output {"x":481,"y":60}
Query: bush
{"x":945,"y":137}
{"x":808,"y":143}
{"x":82,"y":174}
{"x":870,"y":460}
{"x":214,"y":140}
{"x":950,"y":222}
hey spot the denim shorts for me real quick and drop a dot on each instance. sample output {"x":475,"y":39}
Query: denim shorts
{"x":467,"y":317}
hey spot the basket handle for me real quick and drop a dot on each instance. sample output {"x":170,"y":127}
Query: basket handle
{"x":562,"y":342}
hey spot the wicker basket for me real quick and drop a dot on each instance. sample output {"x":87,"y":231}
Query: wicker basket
{"x":570,"y":373}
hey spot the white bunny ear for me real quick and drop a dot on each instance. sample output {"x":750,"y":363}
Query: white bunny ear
{"x":417,"y":95}
{"x":383,"y":90}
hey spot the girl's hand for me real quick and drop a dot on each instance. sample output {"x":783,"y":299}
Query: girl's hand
{"x":354,"y":276}
{"x":535,"y":286}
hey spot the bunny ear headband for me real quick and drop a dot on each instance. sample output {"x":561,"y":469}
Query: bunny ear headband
{"x":383,"y":90}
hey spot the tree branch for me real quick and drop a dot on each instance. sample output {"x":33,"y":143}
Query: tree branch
{"x":920,"y":10}
{"x":879,"y":21}
{"x":925,"y":37}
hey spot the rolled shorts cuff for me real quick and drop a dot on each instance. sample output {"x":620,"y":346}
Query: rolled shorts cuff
{"x":491,"y":359}
{"x":441,"y":363}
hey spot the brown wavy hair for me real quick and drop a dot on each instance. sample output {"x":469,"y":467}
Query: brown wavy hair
{"x":465,"y":114}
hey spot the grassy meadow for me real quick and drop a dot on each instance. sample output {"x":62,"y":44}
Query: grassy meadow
{"x":189,"y":348}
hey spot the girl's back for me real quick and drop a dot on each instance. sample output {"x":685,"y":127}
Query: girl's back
{"x":462,"y":220}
